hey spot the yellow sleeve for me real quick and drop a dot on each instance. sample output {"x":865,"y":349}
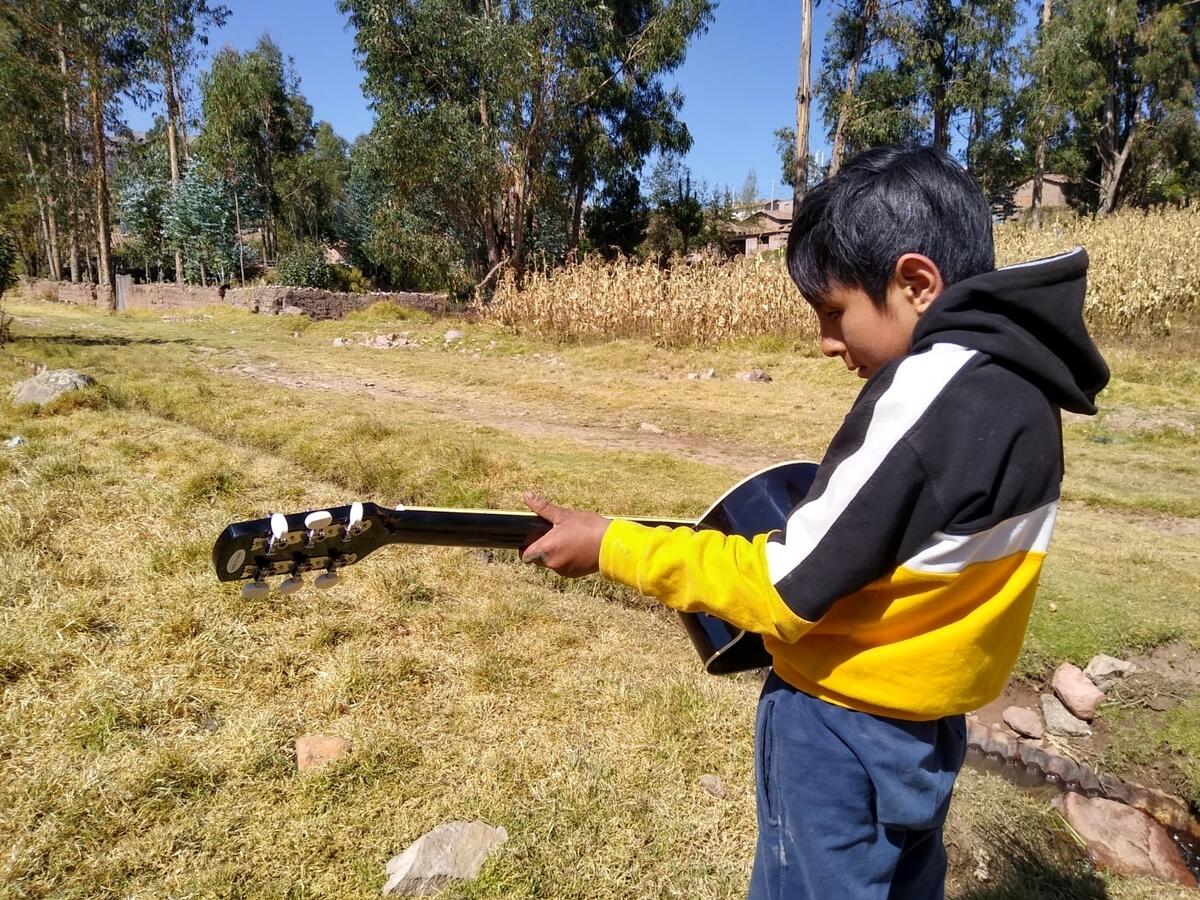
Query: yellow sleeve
{"x":701,"y":571}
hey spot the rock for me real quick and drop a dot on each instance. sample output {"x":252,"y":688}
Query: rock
{"x":712,"y":784}
{"x":453,"y":851}
{"x":15,"y":441}
{"x":650,"y":427}
{"x":754,"y":375}
{"x":291,"y":311}
{"x":1076,"y":691}
{"x":710,"y":374}
{"x":318,"y":749}
{"x":1024,"y":722}
{"x":1059,"y":719}
{"x":1123,"y":840}
{"x":381,"y":340}
{"x":452,"y":335}
{"x":1105,"y":670}
{"x":1053,"y":607}
{"x":49,"y":385}
{"x":340,"y":342}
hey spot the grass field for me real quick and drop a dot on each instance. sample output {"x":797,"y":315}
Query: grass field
{"x":147,"y":714}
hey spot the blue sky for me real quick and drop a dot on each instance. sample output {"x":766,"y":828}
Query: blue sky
{"x":739,"y":80}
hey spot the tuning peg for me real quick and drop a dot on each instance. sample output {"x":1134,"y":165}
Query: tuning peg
{"x":291,"y":585}
{"x":315,"y":521}
{"x":326,"y":580}
{"x":279,"y":530}
{"x":354,"y":523}
{"x":255,"y":590}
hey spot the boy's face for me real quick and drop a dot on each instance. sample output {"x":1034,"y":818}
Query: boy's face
{"x":867,"y":336}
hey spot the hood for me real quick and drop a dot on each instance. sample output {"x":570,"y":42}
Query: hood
{"x":1028,"y":318}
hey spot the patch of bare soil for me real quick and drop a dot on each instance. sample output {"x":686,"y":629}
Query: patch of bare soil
{"x":530,"y":421}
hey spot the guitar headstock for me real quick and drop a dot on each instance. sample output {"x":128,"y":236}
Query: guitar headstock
{"x":323,"y":540}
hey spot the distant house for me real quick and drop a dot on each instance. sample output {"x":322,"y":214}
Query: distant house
{"x":1053,"y":196}
{"x":765,"y":227}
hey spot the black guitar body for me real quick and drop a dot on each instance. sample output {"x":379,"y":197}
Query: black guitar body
{"x":754,"y":506}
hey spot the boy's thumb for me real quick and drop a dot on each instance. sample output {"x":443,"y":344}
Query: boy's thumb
{"x":542,"y":507}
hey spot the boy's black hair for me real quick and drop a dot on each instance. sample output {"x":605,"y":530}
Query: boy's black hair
{"x":885,"y":202}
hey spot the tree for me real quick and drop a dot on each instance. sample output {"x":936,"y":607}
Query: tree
{"x":748,"y":193}
{"x":112,"y":52}
{"x":497,"y":132}
{"x":200,"y":218}
{"x":144,"y":190}
{"x":254,"y":119}
{"x":616,"y":223}
{"x":177,"y":24}
{"x":1126,"y":75}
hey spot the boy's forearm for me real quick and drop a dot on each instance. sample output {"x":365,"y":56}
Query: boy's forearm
{"x":701,"y":571}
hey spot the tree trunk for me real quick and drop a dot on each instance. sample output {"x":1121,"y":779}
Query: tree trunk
{"x":104,"y":237}
{"x":580,"y":190}
{"x":237,"y":223}
{"x":1110,"y":177}
{"x":860,"y":49}
{"x":69,"y":154}
{"x":172,"y":120}
{"x":803,"y":102}
{"x":41,"y":208}
{"x":1039,"y":153}
{"x":52,"y":226}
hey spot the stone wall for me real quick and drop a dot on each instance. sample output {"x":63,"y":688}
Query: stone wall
{"x":269,"y":300}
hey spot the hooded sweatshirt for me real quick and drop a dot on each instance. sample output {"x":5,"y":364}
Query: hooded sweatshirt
{"x":902,"y":584}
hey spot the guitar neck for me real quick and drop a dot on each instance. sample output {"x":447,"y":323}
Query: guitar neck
{"x":491,"y":529}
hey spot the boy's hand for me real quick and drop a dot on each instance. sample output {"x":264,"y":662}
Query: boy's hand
{"x":572,"y":545}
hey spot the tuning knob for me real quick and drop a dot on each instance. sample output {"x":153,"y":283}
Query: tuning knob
{"x":255,"y":590}
{"x":291,"y":585}
{"x":326,"y":580}
{"x":315,"y":521}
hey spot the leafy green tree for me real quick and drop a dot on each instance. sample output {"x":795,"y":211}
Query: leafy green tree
{"x":200,"y":218}
{"x":254,"y":120}
{"x":175,"y":27}
{"x":304,"y":266}
{"x":8,"y":262}
{"x":616,"y":222}
{"x":143,"y":192}
{"x":495,"y":133}
{"x":1125,"y":77}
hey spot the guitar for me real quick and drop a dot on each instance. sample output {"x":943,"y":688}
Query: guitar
{"x":329,"y":540}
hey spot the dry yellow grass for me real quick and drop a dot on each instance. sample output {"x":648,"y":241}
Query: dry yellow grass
{"x":1145,"y":277}
{"x":148,"y":713}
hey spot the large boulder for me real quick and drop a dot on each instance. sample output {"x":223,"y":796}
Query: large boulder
{"x":1125,"y":841}
{"x":49,"y":385}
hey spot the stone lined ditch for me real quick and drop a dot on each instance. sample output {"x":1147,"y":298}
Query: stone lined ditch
{"x":1048,"y":774}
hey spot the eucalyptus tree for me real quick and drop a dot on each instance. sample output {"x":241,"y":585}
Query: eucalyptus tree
{"x":496,"y":133}
{"x":1127,"y":75}
{"x":175,"y":28}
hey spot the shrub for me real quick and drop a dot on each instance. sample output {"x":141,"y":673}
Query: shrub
{"x":304,"y":266}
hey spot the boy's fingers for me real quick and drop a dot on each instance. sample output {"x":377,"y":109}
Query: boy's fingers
{"x":543,"y":507}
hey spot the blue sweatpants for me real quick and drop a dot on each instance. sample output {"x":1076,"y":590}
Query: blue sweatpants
{"x":850,"y":805}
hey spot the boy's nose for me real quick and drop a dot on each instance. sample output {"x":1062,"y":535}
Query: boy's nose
{"x":831,"y":346}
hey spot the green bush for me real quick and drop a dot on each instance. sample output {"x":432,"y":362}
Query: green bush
{"x":8,"y":262}
{"x":304,"y":266}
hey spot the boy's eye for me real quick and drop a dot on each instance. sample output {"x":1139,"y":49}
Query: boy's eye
{"x":833,"y":315}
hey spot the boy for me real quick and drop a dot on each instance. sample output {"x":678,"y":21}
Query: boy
{"x":897,"y":597}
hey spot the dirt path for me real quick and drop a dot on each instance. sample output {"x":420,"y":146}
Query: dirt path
{"x":525,"y":420}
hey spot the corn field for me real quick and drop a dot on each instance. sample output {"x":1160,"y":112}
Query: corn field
{"x":1144,"y":279}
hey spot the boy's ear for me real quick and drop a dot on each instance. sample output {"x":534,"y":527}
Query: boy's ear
{"x":919,"y":280}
